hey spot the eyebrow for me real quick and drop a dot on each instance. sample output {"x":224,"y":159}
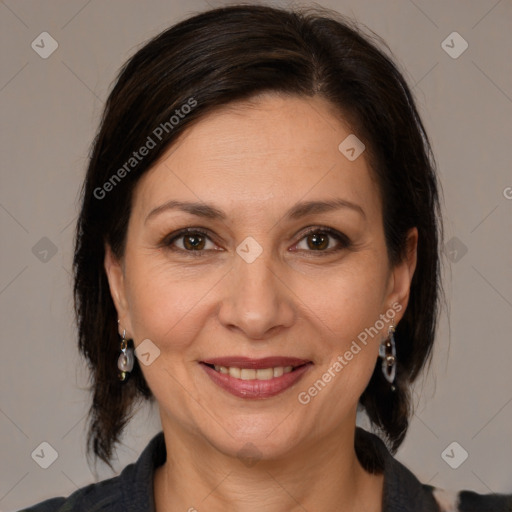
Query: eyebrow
{"x":297,"y":211}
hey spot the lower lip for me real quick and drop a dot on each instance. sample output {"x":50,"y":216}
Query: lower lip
{"x":254,"y":388}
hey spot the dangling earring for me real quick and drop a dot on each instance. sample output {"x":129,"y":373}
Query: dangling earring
{"x":387,"y":351}
{"x":125,"y":360}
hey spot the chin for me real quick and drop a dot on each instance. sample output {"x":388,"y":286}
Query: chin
{"x":265,"y":437}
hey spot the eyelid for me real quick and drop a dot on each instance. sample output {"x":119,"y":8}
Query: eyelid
{"x":170,"y":239}
{"x":343,"y":240}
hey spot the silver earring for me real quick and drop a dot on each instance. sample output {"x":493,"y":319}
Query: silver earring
{"x":125,"y":360}
{"x":387,"y":351}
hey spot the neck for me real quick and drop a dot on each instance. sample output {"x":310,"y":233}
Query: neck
{"x":198,"y":477}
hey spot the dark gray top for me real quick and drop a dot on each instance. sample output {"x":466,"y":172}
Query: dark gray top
{"x":132,"y":490}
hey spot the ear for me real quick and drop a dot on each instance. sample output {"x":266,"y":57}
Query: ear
{"x":116,"y":280}
{"x":401,"y":275}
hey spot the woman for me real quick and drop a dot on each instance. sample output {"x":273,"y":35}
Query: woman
{"x":258,"y":251}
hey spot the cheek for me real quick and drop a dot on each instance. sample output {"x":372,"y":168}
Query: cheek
{"x":347,"y":309}
{"x":348,"y":349}
{"x":348,"y":301}
{"x":171,"y":304}
{"x":166,"y":304}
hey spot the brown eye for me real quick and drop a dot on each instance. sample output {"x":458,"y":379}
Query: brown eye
{"x":193,"y":242}
{"x":190,"y":240}
{"x":319,"y":240}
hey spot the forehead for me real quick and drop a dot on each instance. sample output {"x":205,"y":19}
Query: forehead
{"x":270,"y":152}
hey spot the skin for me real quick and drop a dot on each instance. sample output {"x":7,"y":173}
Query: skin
{"x":254,"y":161}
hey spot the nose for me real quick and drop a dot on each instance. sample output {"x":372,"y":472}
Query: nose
{"x":258,"y":302}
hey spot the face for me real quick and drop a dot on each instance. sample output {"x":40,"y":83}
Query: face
{"x":264,"y":280}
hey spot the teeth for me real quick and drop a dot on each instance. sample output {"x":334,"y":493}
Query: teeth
{"x":235,"y":372}
{"x":247,"y":374}
{"x":264,"y":373}
{"x":278,"y":371}
{"x":251,"y":374}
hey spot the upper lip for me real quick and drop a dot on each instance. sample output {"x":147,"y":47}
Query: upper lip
{"x":247,"y":362}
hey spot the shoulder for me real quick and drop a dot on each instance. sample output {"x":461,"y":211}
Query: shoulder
{"x":403,"y":492}
{"x":469,"y":501}
{"x":130,"y":490}
{"x":97,"y":497}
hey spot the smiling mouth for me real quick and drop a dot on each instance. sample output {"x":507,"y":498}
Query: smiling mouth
{"x":256,"y":378}
{"x":253,"y":373}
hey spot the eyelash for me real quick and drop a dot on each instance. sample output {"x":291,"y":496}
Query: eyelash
{"x":343,"y":240}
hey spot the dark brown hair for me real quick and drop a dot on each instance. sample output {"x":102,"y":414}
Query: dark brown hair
{"x":230,"y":54}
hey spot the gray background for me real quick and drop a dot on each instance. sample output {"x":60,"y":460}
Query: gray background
{"x":51,"y":107}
